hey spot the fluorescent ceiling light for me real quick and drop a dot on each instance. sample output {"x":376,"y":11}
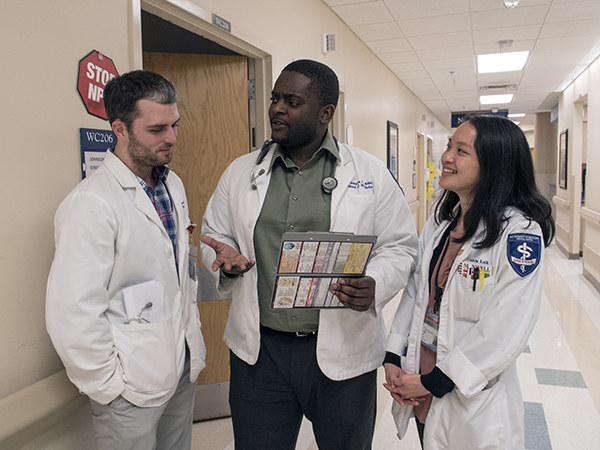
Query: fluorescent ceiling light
{"x":585,"y":62}
{"x":495,"y":99}
{"x":516,"y":115}
{"x":516,"y":123}
{"x":501,"y":62}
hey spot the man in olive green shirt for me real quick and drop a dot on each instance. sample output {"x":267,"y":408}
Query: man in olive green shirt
{"x":286,"y":364}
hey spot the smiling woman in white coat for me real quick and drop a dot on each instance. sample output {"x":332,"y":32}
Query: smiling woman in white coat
{"x":471,"y":304}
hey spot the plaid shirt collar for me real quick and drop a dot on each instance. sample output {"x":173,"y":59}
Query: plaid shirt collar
{"x":159,"y":174}
{"x":160,"y":198}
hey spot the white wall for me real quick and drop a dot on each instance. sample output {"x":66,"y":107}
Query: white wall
{"x":585,"y":89}
{"x":41,"y":43}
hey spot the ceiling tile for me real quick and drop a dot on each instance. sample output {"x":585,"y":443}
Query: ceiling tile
{"x":406,"y":66}
{"x":518,"y":46}
{"x":345,"y":2}
{"x":570,"y":42}
{"x":443,"y":40}
{"x":571,"y":28}
{"x":378,"y":32}
{"x":561,"y":12}
{"x":418,"y":83}
{"x":403,"y":57}
{"x":363,"y":13}
{"x":435,"y":25}
{"x":449,"y":84}
{"x":535,"y":77}
{"x":413,"y":75}
{"x":446,"y":53}
{"x":493,"y":35}
{"x":410,"y":9}
{"x":451,"y":63}
{"x":509,"y":17}
{"x":489,"y":5}
{"x":389,"y":46}
{"x":555,"y":59}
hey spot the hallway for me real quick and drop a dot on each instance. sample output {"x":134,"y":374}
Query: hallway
{"x":559,"y":372}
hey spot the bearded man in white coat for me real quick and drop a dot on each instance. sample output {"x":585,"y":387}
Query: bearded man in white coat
{"x":121,"y":300}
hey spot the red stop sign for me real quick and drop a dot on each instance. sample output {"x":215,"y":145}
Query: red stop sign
{"x":95,"y":70}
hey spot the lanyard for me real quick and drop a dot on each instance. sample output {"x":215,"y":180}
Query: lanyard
{"x":438,"y":256}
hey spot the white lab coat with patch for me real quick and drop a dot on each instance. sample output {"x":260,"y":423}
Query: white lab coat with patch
{"x":482,"y":332}
{"x":367,"y":201}
{"x":110,"y":239}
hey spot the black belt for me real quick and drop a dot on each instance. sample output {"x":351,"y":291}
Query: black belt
{"x":289,"y":333}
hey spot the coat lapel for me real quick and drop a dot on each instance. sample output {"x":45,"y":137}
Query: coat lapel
{"x":127,"y":180}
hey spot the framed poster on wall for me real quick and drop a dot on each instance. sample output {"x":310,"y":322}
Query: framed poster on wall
{"x":392,"y":148}
{"x":562,"y":160}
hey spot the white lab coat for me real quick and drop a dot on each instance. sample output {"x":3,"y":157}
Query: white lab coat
{"x":481,"y":335}
{"x":367,"y":201}
{"x":109,"y":237}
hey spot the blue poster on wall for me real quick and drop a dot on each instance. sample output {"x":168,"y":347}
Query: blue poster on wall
{"x":94,"y":144}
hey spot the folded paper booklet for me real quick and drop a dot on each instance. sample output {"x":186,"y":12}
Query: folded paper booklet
{"x":310,"y":262}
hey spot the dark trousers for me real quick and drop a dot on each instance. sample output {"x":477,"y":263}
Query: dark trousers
{"x":421,"y":430}
{"x":269,"y":399}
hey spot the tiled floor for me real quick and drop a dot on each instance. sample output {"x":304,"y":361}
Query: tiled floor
{"x":559,"y":372}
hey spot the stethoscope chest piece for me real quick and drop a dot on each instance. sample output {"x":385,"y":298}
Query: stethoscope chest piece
{"x":329,"y":184}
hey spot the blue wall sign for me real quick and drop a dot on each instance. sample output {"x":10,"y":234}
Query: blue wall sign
{"x":94,"y":144}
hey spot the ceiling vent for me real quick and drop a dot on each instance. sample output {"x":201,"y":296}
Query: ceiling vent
{"x":328,"y":43}
{"x":498,"y":88}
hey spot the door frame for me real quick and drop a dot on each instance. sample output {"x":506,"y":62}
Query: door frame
{"x":197,"y":20}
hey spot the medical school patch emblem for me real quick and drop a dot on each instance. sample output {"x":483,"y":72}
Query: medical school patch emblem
{"x":524,"y":252}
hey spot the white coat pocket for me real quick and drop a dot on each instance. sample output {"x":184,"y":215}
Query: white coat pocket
{"x":475,"y":282}
{"x":147,"y":355}
{"x":364,"y":333}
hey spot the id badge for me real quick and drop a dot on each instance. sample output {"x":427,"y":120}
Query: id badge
{"x":431,"y":325}
{"x":193,"y":261}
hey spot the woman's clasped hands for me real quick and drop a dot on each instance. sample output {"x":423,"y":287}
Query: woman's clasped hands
{"x":405,"y":388}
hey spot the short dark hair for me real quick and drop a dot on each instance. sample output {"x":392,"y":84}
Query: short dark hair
{"x":506,"y":178}
{"x":122,"y":93}
{"x":323,"y":81}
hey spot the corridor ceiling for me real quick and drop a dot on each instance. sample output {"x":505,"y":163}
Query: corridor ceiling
{"x":431,"y":45}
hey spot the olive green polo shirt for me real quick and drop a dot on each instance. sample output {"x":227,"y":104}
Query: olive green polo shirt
{"x":294,"y":202}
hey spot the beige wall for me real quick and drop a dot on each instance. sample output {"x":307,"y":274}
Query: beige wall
{"x":41,"y":43}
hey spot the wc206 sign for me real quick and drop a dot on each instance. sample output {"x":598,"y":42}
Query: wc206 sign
{"x":95,"y":70}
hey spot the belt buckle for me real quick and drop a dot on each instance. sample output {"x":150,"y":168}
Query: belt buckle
{"x":304,"y":333}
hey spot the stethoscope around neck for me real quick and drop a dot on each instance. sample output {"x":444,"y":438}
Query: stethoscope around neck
{"x":328,"y":184}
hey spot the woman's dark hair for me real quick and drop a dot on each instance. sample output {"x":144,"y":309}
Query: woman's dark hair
{"x":506,"y":178}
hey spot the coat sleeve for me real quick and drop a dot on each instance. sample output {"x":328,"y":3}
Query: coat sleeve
{"x":401,"y":325}
{"x":218,"y":225}
{"x":77,"y":295}
{"x":497,"y":339}
{"x":396,"y":252}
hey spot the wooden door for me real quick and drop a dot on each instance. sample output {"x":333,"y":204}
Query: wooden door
{"x":213,"y":131}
